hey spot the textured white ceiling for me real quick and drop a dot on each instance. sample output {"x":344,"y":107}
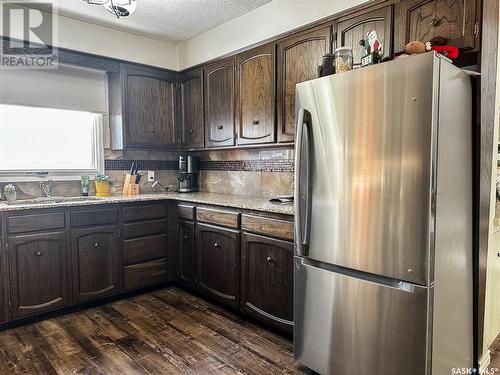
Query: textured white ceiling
{"x":168,"y":20}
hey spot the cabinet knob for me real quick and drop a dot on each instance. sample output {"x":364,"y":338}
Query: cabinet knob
{"x":185,"y":237}
{"x":220,"y":127}
{"x":38,"y":253}
{"x":255,"y":122}
{"x":151,"y":130}
{"x":190,"y":131}
{"x":96,"y":244}
{"x":269,"y":259}
{"x":435,"y":21}
{"x":216,"y":245}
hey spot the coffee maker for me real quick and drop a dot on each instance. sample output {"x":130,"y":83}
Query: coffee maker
{"x":188,"y":173}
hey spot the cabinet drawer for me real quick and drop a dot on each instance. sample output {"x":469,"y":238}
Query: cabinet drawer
{"x":143,"y":229}
{"x":82,"y":218}
{"x":272,"y":227}
{"x":186,"y":211}
{"x":221,"y":217}
{"x":145,"y":274}
{"x":31,"y":223}
{"x":144,"y":212}
{"x":144,"y":249}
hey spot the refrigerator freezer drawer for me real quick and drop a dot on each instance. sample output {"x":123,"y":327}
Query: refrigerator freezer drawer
{"x":349,"y":325}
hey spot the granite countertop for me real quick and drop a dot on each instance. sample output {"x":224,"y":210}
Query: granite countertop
{"x":225,"y":200}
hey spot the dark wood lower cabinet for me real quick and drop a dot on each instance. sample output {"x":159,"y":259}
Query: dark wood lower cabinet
{"x":87,"y":259}
{"x":217,"y":263}
{"x":186,"y":253}
{"x":96,"y":264}
{"x":38,"y":278}
{"x":267,"y":279}
{"x":3,"y":274}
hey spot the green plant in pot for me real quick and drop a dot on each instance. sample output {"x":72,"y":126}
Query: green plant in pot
{"x":102,"y":185}
{"x":10,"y":193}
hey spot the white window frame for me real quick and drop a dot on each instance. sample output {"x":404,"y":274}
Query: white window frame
{"x":65,"y":174}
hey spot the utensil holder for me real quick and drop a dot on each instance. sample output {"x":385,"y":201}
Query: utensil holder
{"x":130,"y":188}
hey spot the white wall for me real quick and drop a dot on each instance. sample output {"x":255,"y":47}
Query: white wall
{"x":104,"y":41}
{"x":272,"y":19}
{"x":492,"y":297}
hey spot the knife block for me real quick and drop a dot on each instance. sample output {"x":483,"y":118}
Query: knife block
{"x":130,"y":188}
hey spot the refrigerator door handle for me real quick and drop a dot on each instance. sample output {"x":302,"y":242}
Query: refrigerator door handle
{"x":302,"y":187}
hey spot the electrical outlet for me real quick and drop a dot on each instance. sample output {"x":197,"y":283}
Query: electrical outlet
{"x":151,"y":175}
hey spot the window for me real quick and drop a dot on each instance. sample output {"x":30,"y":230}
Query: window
{"x":62,"y":142}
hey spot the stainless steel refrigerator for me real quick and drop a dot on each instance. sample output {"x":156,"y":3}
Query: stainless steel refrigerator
{"x":383,"y":220}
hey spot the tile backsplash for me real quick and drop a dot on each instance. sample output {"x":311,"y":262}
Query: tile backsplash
{"x":264,"y":173}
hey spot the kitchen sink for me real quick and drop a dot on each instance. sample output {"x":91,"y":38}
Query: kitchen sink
{"x":49,"y":200}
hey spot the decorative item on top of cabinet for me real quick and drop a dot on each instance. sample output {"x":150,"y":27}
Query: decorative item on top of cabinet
{"x":352,"y":30}
{"x":38,"y":273}
{"x":96,"y":263}
{"x":217,"y":263}
{"x":186,"y":252}
{"x":191,"y":107}
{"x":142,"y":108}
{"x":255,"y":95}
{"x":421,"y":20}
{"x":219,"y":103}
{"x":267,"y":279}
{"x":299,"y":57}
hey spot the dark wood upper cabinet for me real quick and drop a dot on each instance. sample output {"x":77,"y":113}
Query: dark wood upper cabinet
{"x":96,"y":265}
{"x":424,"y":19}
{"x":191,"y":107}
{"x":267,"y":279}
{"x":38,"y":273}
{"x":219,"y":104}
{"x":255,"y":96}
{"x":353,"y":28}
{"x":186,"y":252}
{"x":298,"y":59}
{"x":217,"y":263}
{"x":142,"y":108}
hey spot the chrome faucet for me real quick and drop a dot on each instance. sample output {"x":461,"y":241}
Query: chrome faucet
{"x":46,"y":188}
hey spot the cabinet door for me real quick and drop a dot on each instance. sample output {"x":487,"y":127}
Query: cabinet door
{"x":95,"y":262}
{"x":255,"y":96}
{"x":217,"y":258}
{"x":299,"y":57}
{"x":38,"y":278}
{"x":219,"y":107}
{"x":3,"y":272}
{"x":186,"y":252}
{"x":267,"y":279}
{"x":424,"y":19}
{"x":191,"y":106}
{"x":353,"y":28}
{"x":149,"y":101}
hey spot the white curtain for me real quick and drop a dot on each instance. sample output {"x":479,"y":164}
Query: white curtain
{"x":67,"y":87}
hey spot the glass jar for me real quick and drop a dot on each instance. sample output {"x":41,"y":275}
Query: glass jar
{"x":343,"y":59}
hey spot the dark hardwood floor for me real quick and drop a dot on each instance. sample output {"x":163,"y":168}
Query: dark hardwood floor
{"x":163,"y":332}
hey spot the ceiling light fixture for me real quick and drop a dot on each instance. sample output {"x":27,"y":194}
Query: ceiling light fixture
{"x":120,"y":8}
